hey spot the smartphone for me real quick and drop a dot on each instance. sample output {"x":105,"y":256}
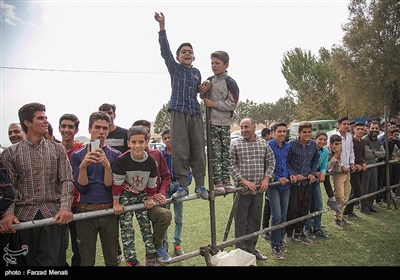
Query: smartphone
{"x":94,"y":144}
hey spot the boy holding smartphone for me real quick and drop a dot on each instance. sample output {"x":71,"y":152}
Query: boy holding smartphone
{"x":93,"y":179}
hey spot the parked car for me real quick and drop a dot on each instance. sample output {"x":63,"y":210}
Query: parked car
{"x":319,"y":125}
{"x":235,"y":134}
{"x":157,"y":146}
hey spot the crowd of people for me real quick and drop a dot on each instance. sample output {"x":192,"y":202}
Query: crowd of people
{"x":42,"y":177}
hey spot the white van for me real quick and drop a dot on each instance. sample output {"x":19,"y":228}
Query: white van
{"x":318,"y":125}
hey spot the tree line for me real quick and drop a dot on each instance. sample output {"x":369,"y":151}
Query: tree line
{"x":356,"y":78}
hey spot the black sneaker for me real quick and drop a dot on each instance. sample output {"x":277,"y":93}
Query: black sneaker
{"x":319,"y":233}
{"x":352,"y":216}
{"x":283,"y":248}
{"x":346,"y":222}
{"x":301,"y":237}
{"x":339,"y":224}
{"x":365,"y":210}
{"x":277,"y":253}
{"x":259,"y":256}
{"x":309,"y":233}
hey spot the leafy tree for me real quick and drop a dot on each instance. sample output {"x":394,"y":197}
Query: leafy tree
{"x":369,"y":60}
{"x":310,"y":80}
{"x":284,"y":110}
{"x":243,"y":110}
{"x":162,"y":121}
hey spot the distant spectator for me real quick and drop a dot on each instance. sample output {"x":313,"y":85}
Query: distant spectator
{"x":117,"y":136}
{"x":15,"y":133}
{"x":266,"y":134}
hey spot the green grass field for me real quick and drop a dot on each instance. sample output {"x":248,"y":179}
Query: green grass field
{"x":373,"y":240}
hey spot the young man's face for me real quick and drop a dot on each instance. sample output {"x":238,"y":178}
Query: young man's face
{"x":111,"y":114}
{"x":39,"y":124}
{"x":359,"y":131}
{"x":67,"y":130}
{"x":167,"y":139}
{"x":186,"y":56}
{"x":321,"y":141}
{"x":280,"y":133}
{"x":15,"y":133}
{"x":336,"y":146}
{"x":218,"y":66}
{"x":305,"y":134}
{"x":99,"y":130}
{"x":344,"y":126}
{"x":137,"y":144}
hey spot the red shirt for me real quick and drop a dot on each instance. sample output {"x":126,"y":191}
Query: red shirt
{"x":77,"y":198}
{"x":163,"y":176}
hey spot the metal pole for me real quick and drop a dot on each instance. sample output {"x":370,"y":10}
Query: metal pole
{"x":231,"y":215}
{"x":213,"y":226}
{"x":105,"y":212}
{"x":93,"y":214}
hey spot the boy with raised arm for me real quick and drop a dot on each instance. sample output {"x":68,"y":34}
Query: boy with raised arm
{"x":186,"y":121}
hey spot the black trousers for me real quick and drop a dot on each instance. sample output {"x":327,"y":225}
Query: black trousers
{"x":299,"y":205}
{"x":267,"y":212}
{"x":328,"y":186}
{"x":39,"y":246}
{"x":76,"y":257}
{"x":355,"y":181}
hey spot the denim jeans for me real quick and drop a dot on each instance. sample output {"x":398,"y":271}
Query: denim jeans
{"x":316,"y":205}
{"x":178,"y":216}
{"x":278,"y":201}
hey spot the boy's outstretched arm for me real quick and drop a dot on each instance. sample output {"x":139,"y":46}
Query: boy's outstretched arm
{"x":161,"y":20}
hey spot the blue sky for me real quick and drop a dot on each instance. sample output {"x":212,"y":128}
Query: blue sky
{"x":107,"y":51}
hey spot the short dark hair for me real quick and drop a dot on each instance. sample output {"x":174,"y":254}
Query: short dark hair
{"x":27,"y":112}
{"x":335,"y":138}
{"x":359,"y":124}
{"x":50,"y":129}
{"x":138,"y":130}
{"x":143,"y":123}
{"x":373,"y":122}
{"x":106,"y":107}
{"x":101,"y":115}
{"x":303,"y":125}
{"x":183,"y":45}
{"x":265,"y":131}
{"x":222,"y":55}
{"x":167,"y":131}
{"x":275,"y":126}
{"x":70,"y":117}
{"x":344,"y":118}
{"x":319,"y":133}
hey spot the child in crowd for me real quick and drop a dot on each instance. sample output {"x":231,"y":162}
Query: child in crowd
{"x":178,"y":206}
{"x":316,"y":196}
{"x":186,"y":121}
{"x":335,"y":164}
{"x":221,"y":99}
{"x":135,"y":177}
